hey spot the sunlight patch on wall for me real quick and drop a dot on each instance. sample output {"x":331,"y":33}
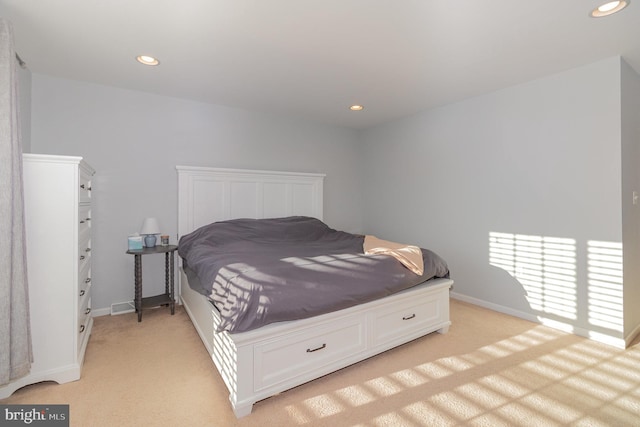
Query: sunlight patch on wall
{"x":545,"y":266}
{"x":605,"y":284}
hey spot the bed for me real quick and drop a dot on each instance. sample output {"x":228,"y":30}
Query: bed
{"x":259,"y":362}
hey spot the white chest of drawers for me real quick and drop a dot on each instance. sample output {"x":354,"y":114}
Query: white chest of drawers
{"x":57,"y":196}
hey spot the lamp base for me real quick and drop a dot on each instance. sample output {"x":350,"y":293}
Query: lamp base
{"x":150,"y":241}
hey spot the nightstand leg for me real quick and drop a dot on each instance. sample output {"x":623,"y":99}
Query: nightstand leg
{"x":168,"y":279}
{"x":173,"y":300}
{"x":166,"y":273}
{"x":138,"y":282}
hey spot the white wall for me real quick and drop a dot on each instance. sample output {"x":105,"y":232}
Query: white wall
{"x":630,"y":89}
{"x":541,"y":159}
{"x":135,"y":140}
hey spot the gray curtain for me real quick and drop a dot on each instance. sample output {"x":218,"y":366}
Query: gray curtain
{"x":15,"y":333}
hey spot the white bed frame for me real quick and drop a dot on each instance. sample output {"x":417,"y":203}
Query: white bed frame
{"x":260,"y":363}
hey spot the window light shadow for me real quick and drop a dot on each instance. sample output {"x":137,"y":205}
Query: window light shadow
{"x":537,"y":377}
{"x":545,"y":266}
{"x":605,"y":284}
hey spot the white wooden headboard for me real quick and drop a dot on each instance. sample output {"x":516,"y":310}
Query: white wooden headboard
{"x":206,"y":195}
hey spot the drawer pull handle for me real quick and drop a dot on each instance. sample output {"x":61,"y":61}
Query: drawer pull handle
{"x":87,"y":311}
{"x":88,"y":250}
{"x":88,"y":219}
{"x":82,"y":186}
{"x":409,"y":317}
{"x":81,"y":257}
{"x":81,"y":221}
{"x":87,"y":280}
{"x":82,"y":292}
{"x":81,"y":328}
{"x":316,"y":349}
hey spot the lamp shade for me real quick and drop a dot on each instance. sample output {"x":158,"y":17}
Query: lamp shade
{"x":150,"y":226}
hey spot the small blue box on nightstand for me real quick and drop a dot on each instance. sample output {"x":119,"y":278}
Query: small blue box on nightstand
{"x":135,"y":243}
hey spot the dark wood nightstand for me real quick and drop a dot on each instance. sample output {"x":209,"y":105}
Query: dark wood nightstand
{"x":163,"y":299}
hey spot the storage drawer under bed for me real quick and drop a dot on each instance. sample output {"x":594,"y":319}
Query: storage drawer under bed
{"x":283,"y":359}
{"x":407,"y":319}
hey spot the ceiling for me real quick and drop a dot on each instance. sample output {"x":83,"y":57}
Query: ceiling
{"x":311,"y":58}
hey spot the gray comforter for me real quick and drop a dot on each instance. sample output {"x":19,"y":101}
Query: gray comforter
{"x":260,"y":271}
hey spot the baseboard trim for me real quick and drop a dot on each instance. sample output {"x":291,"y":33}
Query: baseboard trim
{"x":97,"y":312}
{"x":565,"y":327}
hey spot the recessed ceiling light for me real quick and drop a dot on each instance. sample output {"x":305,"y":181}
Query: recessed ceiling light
{"x":356,"y":108}
{"x":147,"y":60}
{"x":609,"y":8}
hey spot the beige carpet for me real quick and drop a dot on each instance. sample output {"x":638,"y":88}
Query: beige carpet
{"x":490,"y":370}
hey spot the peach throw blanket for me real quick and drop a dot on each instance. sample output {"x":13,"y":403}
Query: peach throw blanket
{"x":410,"y":256}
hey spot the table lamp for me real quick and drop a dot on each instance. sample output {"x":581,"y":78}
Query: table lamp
{"x":149,"y":230}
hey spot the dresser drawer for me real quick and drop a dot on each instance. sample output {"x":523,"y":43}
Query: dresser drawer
{"x":405,"y":318}
{"x":84,"y":251}
{"x":84,"y":220}
{"x":84,"y":314}
{"x":84,"y":280}
{"x":283,"y":359}
{"x":84,"y":190}
{"x":84,"y":317}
